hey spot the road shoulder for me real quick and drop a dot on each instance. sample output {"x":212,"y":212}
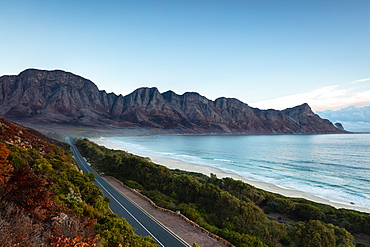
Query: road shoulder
{"x":176,"y":224}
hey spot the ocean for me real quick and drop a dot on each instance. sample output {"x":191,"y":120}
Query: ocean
{"x":336,"y":167}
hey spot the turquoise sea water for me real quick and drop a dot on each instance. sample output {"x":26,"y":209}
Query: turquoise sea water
{"x":333,"y":166}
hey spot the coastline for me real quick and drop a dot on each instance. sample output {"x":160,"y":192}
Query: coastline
{"x":207,"y":170}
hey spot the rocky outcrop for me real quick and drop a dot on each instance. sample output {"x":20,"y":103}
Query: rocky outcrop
{"x":40,"y":96}
{"x":339,"y":126}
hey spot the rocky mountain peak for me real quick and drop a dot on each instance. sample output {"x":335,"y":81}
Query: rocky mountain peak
{"x":298,"y":112}
{"x":304,"y":108}
{"x":54,"y":78}
{"x":170,"y":96}
{"x":223,"y":102}
{"x":143,"y":97}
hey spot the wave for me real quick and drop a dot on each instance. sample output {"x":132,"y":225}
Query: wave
{"x":313,"y":164}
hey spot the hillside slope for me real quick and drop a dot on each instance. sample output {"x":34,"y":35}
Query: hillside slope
{"x":46,"y":201}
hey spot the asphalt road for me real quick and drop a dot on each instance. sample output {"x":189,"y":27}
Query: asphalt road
{"x":144,"y":223}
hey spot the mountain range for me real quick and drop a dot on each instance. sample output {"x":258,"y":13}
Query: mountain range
{"x":58,"y":97}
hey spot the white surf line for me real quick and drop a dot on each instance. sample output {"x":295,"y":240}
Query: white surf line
{"x":130,"y":213}
{"x":151,"y":216}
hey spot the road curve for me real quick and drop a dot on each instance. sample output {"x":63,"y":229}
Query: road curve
{"x":143,"y":222}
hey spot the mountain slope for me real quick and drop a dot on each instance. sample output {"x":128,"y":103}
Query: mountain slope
{"x":40,"y":96}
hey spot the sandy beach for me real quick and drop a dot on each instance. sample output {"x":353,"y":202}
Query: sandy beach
{"x":176,"y":164}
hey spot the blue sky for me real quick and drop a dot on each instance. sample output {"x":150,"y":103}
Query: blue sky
{"x":269,"y":54}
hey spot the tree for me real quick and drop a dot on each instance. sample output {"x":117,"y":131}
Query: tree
{"x":29,"y":191}
{"x":312,"y":234}
{"x":281,"y":205}
{"x":6,"y":169}
{"x":17,"y":227}
{"x":343,"y":237}
{"x":305,"y":211}
{"x":62,"y":241}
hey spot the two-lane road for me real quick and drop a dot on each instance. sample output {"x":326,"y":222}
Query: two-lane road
{"x":145,"y":224}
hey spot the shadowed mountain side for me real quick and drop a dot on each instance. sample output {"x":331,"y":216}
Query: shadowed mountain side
{"x":46,"y":97}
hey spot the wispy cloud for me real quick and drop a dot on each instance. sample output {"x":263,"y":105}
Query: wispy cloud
{"x":361,"y":80}
{"x":326,"y":98}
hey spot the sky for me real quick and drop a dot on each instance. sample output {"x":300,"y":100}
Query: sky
{"x":268,"y":54}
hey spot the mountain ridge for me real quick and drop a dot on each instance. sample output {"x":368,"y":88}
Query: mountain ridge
{"x":49,"y":97}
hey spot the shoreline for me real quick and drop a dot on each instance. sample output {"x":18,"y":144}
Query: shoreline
{"x":207,"y":170}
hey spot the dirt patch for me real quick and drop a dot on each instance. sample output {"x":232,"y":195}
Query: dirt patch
{"x":281,"y":218}
{"x":362,"y":238}
{"x":173,"y":222}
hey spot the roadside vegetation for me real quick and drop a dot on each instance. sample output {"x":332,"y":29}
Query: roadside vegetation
{"x":232,"y":209}
{"x":46,"y":201}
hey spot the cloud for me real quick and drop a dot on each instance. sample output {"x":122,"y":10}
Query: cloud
{"x":361,"y":80}
{"x":348,"y":104}
{"x":352,"y":113}
{"x":353,"y":118}
{"x":326,"y":98}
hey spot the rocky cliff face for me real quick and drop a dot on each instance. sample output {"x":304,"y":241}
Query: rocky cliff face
{"x":39,"y":96}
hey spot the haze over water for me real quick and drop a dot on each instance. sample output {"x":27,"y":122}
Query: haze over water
{"x":336,"y":167}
